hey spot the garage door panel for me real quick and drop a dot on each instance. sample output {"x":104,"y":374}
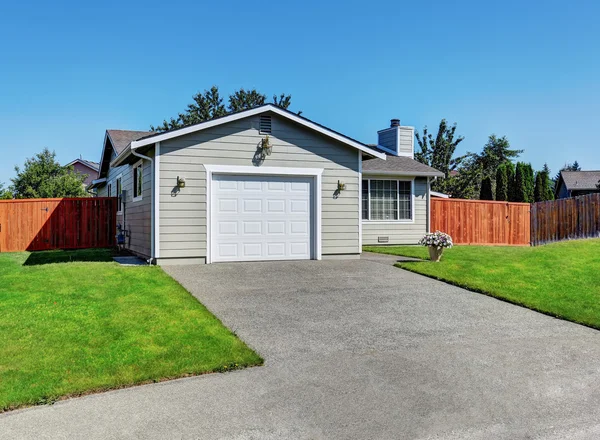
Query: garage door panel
{"x":261,"y":218}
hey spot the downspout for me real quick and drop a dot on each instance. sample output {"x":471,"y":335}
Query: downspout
{"x":429,"y":202}
{"x":141,"y":156}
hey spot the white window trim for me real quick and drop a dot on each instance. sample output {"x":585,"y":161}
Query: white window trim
{"x":316,"y":173}
{"x":119,"y":205}
{"x":133,"y":182}
{"x":391,"y":222}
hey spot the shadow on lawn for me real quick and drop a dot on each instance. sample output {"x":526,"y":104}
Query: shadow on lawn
{"x":69,"y":256}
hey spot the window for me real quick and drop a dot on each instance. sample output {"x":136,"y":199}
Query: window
{"x":109,"y":190}
{"x":120,"y":200}
{"x":137,"y":181}
{"x":386,"y":200}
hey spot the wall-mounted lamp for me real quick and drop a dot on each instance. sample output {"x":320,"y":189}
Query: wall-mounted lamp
{"x":341,"y":186}
{"x":266,"y":146}
{"x":180,"y":182}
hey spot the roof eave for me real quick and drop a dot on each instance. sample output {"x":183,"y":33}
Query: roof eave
{"x":404,"y":173}
{"x":245,"y":114}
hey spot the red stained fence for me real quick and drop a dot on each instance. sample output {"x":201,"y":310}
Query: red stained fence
{"x":482,"y":222}
{"x":68,"y":223}
{"x":565,"y":219}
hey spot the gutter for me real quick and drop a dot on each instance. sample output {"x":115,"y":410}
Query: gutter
{"x":404,"y":173}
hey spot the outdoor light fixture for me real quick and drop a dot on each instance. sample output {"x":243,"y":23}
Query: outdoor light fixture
{"x":180,"y":182}
{"x":341,"y":186}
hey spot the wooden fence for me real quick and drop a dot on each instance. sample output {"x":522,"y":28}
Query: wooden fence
{"x":482,"y":222}
{"x":564,"y":219}
{"x":42,"y":224}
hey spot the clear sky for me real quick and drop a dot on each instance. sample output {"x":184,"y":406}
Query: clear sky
{"x":529,"y":70}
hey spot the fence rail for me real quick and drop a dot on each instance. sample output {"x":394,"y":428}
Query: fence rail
{"x":68,"y":223}
{"x":482,"y":222}
{"x":565,"y":219}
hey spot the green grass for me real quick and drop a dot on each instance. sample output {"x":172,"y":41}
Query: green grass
{"x":89,"y":325}
{"x":561,"y":279}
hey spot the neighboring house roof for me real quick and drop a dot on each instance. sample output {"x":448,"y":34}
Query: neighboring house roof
{"x":580,"y":180}
{"x":159,"y":137}
{"x":88,"y":163}
{"x":401,"y":165}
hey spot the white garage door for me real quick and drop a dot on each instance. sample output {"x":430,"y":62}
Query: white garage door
{"x":261,"y":218}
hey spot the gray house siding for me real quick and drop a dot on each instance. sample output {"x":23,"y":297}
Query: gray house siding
{"x":399,"y":233}
{"x":183,"y":212}
{"x":136,"y":216}
{"x":407,"y":138}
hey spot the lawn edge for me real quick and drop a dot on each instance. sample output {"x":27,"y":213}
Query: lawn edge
{"x":99,"y":390}
{"x":495,"y":296}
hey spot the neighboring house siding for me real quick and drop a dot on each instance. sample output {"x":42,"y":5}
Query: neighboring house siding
{"x":399,"y":233}
{"x":407,"y":136}
{"x":563,"y":193}
{"x":183,"y":214}
{"x":86,"y":171}
{"x":136,"y":216}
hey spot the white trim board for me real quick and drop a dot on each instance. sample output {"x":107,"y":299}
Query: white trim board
{"x":317,"y":173}
{"x":255,"y":111}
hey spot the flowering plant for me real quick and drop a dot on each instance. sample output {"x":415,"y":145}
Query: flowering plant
{"x":436,"y":239}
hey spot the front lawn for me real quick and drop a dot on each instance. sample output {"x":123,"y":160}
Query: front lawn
{"x":90,"y":325}
{"x":561,"y":279}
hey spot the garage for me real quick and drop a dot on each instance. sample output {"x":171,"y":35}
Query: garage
{"x":262,"y":217}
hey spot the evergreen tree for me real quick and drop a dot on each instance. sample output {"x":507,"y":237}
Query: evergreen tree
{"x":43,"y":177}
{"x":511,"y":182}
{"x":209,"y":105}
{"x":539,"y":192}
{"x":502,"y":183}
{"x":520,"y":193}
{"x":528,"y":183}
{"x":496,"y":152}
{"x":486,"y":189}
{"x":548,"y":184}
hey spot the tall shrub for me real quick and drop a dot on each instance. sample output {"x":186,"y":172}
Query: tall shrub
{"x":510,"y":182}
{"x":486,"y":189}
{"x":502,"y":183}
{"x":539,"y":192}
{"x":520,"y":193}
{"x":529,"y":183}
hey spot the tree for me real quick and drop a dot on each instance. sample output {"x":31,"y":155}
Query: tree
{"x":521,"y":193}
{"x":438,"y":152}
{"x":511,"y":182}
{"x":539,"y":193}
{"x":43,"y":177}
{"x":465,"y":185}
{"x":209,"y":105}
{"x":496,"y":152}
{"x":5,"y":193}
{"x":502,"y":183}
{"x":547,"y":183}
{"x":529,"y":183}
{"x":486,"y":189}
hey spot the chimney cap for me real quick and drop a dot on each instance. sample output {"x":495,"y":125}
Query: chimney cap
{"x":394,"y":122}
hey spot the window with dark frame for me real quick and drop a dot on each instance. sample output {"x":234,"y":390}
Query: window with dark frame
{"x":120,"y":199}
{"x":137,"y":181}
{"x":386,"y":200}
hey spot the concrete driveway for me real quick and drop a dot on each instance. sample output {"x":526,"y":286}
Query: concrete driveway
{"x":355,"y":349}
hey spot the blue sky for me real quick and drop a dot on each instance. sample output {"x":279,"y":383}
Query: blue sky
{"x":519,"y":69}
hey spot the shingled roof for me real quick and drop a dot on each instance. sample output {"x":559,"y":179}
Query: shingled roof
{"x":580,"y":180}
{"x":121,"y":138}
{"x":401,"y":165}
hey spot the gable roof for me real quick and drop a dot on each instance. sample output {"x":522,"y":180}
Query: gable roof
{"x":580,"y":180}
{"x":88,"y":163}
{"x":399,"y":165}
{"x":152,"y":138}
{"x":120,"y":139}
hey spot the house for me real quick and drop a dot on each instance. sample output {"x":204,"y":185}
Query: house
{"x":577,"y":183}
{"x":263,"y":184}
{"x":85,"y":167}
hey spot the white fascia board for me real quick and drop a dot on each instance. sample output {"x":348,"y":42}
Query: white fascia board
{"x":252,"y":112}
{"x":405,"y":174}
